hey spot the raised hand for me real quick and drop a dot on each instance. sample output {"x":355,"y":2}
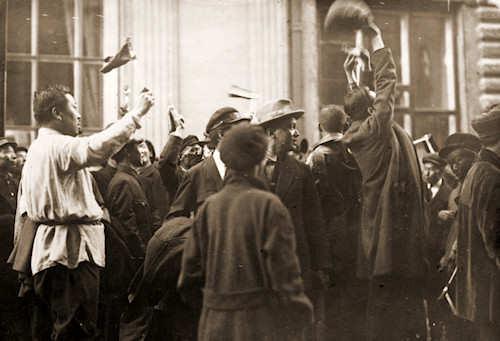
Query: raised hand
{"x":145,"y":102}
{"x":176,"y":119}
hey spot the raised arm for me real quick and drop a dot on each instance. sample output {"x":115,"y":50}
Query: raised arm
{"x":81,"y":152}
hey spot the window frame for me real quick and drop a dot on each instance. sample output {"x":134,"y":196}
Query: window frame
{"x":75,"y":58}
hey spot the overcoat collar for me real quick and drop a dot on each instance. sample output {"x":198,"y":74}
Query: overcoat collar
{"x":334,"y":137}
{"x":212,"y":172}
{"x":489,"y":156}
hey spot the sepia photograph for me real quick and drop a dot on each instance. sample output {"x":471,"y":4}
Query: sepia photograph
{"x":250,"y":170}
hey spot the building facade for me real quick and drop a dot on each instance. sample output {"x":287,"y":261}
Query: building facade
{"x":190,"y":52}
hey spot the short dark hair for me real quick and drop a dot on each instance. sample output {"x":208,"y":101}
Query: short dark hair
{"x":332,"y":118}
{"x":45,"y":100}
{"x":356,"y":103}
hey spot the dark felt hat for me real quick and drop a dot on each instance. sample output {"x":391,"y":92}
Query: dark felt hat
{"x":5,"y":142}
{"x":460,"y":140}
{"x":348,"y":15}
{"x":191,"y":140}
{"x":487,"y":125}
{"x":277,"y":110}
{"x":243,"y":147}
{"x":223,"y":117}
{"x":435,"y":159}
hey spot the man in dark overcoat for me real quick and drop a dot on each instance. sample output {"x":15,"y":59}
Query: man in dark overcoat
{"x":392,"y":233}
{"x":292,"y":181}
{"x":241,"y":251}
{"x":206,"y":178}
{"x":478,"y":246}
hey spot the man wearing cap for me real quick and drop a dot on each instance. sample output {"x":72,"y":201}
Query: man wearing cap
{"x":206,"y":177}
{"x":56,"y":194}
{"x":241,"y":252}
{"x":13,"y":313}
{"x":292,"y":181}
{"x":338,"y":181}
{"x":436,"y":195}
{"x":177,"y":157}
{"x":478,"y":247}
{"x":392,"y":232}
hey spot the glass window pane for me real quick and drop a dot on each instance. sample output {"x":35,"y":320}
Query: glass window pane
{"x":55,"y":73}
{"x":56,"y":21}
{"x":92,"y":28}
{"x":91,"y":104}
{"x":435,"y":124}
{"x":19,"y":26}
{"x":390,"y":24}
{"x":429,"y":65}
{"x":18,"y":93}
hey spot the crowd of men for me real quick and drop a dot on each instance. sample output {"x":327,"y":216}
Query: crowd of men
{"x":234,"y":238}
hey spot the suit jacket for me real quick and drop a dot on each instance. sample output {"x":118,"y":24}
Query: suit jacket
{"x":392,"y":232}
{"x":127,"y":202}
{"x":200,"y":182}
{"x":103,"y":177}
{"x":295,"y":187}
{"x":438,"y":229}
{"x":156,"y":194}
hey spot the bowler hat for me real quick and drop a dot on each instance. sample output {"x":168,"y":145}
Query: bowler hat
{"x":223,"y":117}
{"x":487,"y":125}
{"x":460,"y":140}
{"x":435,"y":159}
{"x":5,"y":142}
{"x":277,"y":110}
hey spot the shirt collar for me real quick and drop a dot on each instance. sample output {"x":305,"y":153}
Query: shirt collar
{"x":221,"y":167}
{"x":44,"y":131}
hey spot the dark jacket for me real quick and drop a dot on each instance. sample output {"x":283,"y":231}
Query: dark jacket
{"x":392,"y":228}
{"x":171,"y":173}
{"x":158,"y":199}
{"x":103,"y":177}
{"x":478,"y":249}
{"x":295,"y":187}
{"x":438,"y":229}
{"x":338,"y":182}
{"x":200,"y":182}
{"x":156,"y":310}
{"x":127,"y":203}
{"x":241,"y":252}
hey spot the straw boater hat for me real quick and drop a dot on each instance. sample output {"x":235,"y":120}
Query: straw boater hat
{"x":277,"y":110}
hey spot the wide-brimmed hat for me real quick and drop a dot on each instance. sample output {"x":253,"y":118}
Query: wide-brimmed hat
{"x":223,"y":117}
{"x":487,"y":125}
{"x":277,"y":110}
{"x":435,"y":159}
{"x":5,"y":142}
{"x":462,"y":141}
{"x":191,"y":140}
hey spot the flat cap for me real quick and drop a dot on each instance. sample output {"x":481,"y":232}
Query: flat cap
{"x":5,"y":142}
{"x":223,"y":117}
{"x":434,"y":158}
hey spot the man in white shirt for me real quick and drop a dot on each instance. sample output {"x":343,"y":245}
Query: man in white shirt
{"x":56,"y":193}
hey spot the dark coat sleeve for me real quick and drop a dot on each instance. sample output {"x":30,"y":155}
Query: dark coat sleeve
{"x":168,"y":164}
{"x":192,"y":276}
{"x":314,"y":224}
{"x":282,"y":264}
{"x":185,"y":199}
{"x":385,"y":85}
{"x":121,"y":203}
